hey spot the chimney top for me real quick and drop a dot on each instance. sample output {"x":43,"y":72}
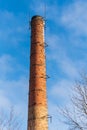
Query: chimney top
{"x":37,"y":17}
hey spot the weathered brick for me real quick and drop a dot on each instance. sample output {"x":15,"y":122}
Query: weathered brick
{"x":37,"y":108}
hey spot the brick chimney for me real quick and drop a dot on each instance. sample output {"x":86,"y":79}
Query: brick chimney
{"x":37,"y":108}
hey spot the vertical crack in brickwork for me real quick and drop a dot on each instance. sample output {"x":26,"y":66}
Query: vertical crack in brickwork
{"x":37,"y":113}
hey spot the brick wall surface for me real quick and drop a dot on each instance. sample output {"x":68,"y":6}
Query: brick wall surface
{"x":37,"y":115}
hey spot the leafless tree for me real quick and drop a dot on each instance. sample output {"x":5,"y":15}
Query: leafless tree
{"x":10,"y":121}
{"x":76,"y":115}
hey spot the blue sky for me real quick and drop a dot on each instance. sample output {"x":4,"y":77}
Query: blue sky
{"x":66,"y":55}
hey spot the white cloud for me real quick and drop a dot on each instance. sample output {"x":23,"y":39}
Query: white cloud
{"x":5,"y":65}
{"x":55,"y":122}
{"x":11,"y":28}
{"x":68,"y":67}
{"x":61,"y":57}
{"x":15,"y":93}
{"x":61,"y":93}
{"x":10,"y":66}
{"x":4,"y":101}
{"x":74,"y":17}
{"x":61,"y":89}
{"x":13,"y":80}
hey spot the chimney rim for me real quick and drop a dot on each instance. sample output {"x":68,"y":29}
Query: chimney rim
{"x":37,"y":17}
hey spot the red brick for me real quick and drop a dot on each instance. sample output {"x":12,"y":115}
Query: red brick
{"x":37,"y":108}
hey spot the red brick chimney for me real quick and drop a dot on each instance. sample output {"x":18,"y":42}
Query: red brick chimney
{"x":37,"y":109}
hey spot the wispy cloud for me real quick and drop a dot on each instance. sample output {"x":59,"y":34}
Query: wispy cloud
{"x":14,"y":93}
{"x":59,"y":53}
{"x":13,"y":72}
{"x":61,"y":90}
{"x":4,"y":101}
{"x":74,"y":17}
{"x":10,"y":94}
{"x":12,"y":27}
{"x":9,"y":66}
{"x":5,"y":65}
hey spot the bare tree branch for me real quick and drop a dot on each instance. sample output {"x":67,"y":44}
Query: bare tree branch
{"x":10,"y":121}
{"x":76,"y":118}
